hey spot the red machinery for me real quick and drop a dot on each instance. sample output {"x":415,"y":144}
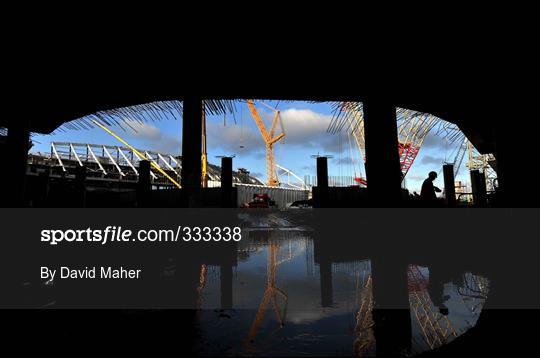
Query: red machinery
{"x":260,"y":201}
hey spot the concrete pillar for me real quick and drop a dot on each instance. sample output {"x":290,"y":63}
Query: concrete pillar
{"x":474,"y":184}
{"x":392,"y":332}
{"x":226,"y":182}
{"x":322,"y":172}
{"x":438,"y":275}
{"x":226,"y":284}
{"x":191,"y":150}
{"x":390,"y":287}
{"x":391,"y":313}
{"x":80,"y":186}
{"x":44,"y":181}
{"x":325,"y":276}
{"x":144,"y":185}
{"x":483,"y":186}
{"x":449,"y":184}
{"x":17,"y":146}
{"x":322,"y":182}
{"x":478,"y":187}
{"x":383,"y":170}
{"x":505,"y":174}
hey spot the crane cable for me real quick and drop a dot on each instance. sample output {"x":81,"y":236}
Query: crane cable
{"x":139,"y":154}
{"x":351,"y":154}
{"x":241,"y":127}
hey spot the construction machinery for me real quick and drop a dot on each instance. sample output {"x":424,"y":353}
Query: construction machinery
{"x":270,"y":138}
{"x":485,"y":163}
{"x":261,"y":201}
{"x":413,"y":128}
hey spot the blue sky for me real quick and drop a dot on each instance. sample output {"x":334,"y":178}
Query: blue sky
{"x":305,"y":127}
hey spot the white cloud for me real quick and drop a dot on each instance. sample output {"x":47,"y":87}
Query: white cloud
{"x":306,"y":128}
{"x":434,"y":141}
{"x":428,"y":159}
{"x":145,"y":131}
{"x":416,"y":177}
{"x":153,"y":138}
{"x":303,"y":128}
{"x":231,"y":138}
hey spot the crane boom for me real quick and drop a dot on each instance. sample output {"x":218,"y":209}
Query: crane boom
{"x":275,"y":139}
{"x":258,"y":120}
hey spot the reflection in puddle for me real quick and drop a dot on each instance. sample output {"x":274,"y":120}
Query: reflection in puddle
{"x":364,"y":341}
{"x":286,"y":301}
{"x":434,"y":326}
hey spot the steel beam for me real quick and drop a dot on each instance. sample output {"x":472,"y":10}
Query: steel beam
{"x":53,"y":147}
{"x":72,"y":149}
{"x":127,"y":160}
{"x":113,"y":161}
{"x":96,"y":159}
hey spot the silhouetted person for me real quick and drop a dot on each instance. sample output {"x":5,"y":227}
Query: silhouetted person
{"x":428,"y":189}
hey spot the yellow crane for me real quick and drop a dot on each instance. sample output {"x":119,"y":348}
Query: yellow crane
{"x":269,"y":140}
{"x":204,"y":156}
{"x":270,"y":296}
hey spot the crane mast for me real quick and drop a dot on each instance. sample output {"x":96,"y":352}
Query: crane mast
{"x":269,"y":140}
{"x":204,"y":156}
